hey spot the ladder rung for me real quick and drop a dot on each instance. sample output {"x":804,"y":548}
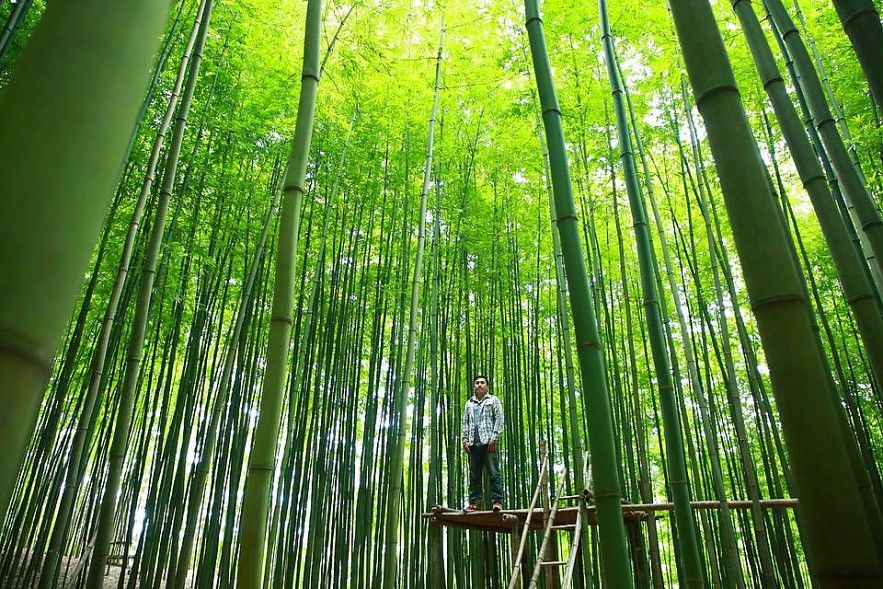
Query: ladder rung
{"x":554,"y":563}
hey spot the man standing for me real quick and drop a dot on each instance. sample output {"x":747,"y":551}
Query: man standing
{"x":482,"y":426}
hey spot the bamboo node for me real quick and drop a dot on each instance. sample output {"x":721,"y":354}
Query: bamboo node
{"x":531,"y":19}
{"x":847,"y":20}
{"x":281,"y":319}
{"x":711,"y":91}
{"x":859,"y":297}
{"x":773,"y":80}
{"x":814,"y":178}
{"x":781,"y":299}
{"x":27,"y":351}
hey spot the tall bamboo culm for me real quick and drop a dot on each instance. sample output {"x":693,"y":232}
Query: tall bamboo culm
{"x":399,"y":421}
{"x":262,"y":462}
{"x":78,"y":83}
{"x":674,"y":447}
{"x":840,"y":548}
{"x":608,"y":489}
{"x":135,"y":344}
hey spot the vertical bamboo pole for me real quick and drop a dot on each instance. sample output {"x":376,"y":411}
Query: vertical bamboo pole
{"x":608,"y":490}
{"x":674,"y":447}
{"x":399,"y":422}
{"x":66,"y":116}
{"x":135,"y":345}
{"x":840,"y":547}
{"x":252,"y":535}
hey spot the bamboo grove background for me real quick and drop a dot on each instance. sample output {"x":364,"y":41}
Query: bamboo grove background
{"x":411,"y":238}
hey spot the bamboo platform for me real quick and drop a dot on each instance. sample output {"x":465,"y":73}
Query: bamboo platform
{"x":504,"y":521}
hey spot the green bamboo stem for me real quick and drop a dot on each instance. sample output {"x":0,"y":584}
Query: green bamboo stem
{"x":854,"y":276}
{"x":575,"y":425}
{"x":858,"y":239}
{"x":776,"y":453}
{"x":399,"y":422}
{"x":642,"y":477}
{"x":263,"y":455}
{"x":833,"y":102}
{"x":680,"y":485}
{"x":730,"y":379}
{"x":433,"y":485}
{"x":125,"y":407}
{"x":857,"y":289}
{"x":633,"y":388}
{"x":861,"y":21}
{"x":190,"y":392}
{"x":867,"y":217}
{"x":608,"y":492}
{"x":841,"y":549}
{"x":78,"y":83}
{"x":679,"y":307}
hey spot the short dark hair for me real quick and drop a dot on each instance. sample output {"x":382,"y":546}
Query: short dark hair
{"x":486,"y":379}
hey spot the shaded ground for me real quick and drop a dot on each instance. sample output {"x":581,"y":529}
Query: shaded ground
{"x":71,"y":570}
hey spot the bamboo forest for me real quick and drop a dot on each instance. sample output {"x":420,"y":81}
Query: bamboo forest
{"x":265,"y":264}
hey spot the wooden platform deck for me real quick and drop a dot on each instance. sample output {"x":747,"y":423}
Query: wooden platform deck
{"x":504,"y":521}
{"x":498,"y":521}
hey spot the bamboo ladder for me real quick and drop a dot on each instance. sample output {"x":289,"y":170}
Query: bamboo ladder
{"x":542,"y":490}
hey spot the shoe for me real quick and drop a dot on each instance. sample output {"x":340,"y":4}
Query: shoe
{"x":472,"y":506}
{"x":498,"y":506}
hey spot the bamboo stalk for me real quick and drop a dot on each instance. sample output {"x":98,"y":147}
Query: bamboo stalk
{"x":64,"y":94}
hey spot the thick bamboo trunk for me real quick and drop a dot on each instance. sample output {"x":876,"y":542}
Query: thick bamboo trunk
{"x":841,"y":550}
{"x":78,"y":83}
{"x":861,"y":21}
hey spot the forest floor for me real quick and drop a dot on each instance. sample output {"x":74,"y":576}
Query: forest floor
{"x":71,"y":570}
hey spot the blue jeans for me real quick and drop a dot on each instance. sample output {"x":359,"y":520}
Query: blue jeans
{"x":479,"y":458}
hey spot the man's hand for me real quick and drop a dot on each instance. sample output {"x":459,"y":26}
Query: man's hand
{"x":466,"y":447}
{"x":492,"y":446}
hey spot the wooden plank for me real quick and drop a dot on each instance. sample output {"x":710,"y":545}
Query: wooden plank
{"x":502,"y":521}
{"x":498,"y":521}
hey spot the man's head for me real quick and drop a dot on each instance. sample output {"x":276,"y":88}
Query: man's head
{"x":480,"y":385}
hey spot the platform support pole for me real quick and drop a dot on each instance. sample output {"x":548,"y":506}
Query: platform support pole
{"x":514,"y":541}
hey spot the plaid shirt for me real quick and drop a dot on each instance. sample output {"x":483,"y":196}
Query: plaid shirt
{"x":487,"y":415}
